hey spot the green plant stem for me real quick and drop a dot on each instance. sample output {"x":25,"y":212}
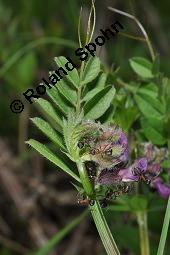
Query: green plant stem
{"x":133,"y":37}
{"x":88,"y":188}
{"x":97,"y":214}
{"x":141,"y":28}
{"x":164,"y":230}
{"x":143,"y":231}
{"x":78,"y":104}
{"x":103,"y":230}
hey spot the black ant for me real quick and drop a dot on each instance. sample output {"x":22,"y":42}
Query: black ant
{"x":108,"y":196}
{"x":91,"y":168}
{"x":113,"y":194}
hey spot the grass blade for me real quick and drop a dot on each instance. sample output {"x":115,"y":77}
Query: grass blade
{"x":61,"y":234}
{"x":164,"y":230}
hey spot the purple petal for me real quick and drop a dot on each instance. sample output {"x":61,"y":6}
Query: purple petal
{"x":123,"y":139}
{"x":125,"y":156}
{"x":127,"y":175}
{"x":141,"y":164}
{"x":162,"y":188}
{"x":134,"y":172}
{"x":110,"y":176}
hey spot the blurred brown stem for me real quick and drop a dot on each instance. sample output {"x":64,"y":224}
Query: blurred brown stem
{"x":143,"y":231}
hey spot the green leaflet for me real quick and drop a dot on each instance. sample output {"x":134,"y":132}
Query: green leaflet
{"x":48,"y":131}
{"x":157,"y":124}
{"x":91,"y":71}
{"x":99,"y":86}
{"x":98,"y":105}
{"x":73,"y":75}
{"x":155,"y":103}
{"x":150,"y":89}
{"x":49,"y":111}
{"x":44,"y":151}
{"x":142,"y":67}
{"x":102,"y":80}
{"x":126,"y":117}
{"x":91,"y":94}
{"x":146,"y":107}
{"x":67,"y":92}
{"x":152,"y":134}
{"x":54,"y":94}
{"x":107,"y":117}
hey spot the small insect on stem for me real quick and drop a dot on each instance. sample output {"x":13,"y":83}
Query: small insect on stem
{"x":80,"y":145}
{"x":91,"y":169}
{"x":108,"y":196}
{"x":85,"y":201}
{"x":108,"y":152}
{"x":113,"y":194}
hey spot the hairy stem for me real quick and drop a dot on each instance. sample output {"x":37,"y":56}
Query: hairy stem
{"x":164,"y":230}
{"x":103,"y":230}
{"x":78,"y":104}
{"x":97,"y":214}
{"x":143,"y":231}
{"x":88,"y":188}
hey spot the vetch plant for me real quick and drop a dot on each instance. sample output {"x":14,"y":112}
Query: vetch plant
{"x":92,"y":144}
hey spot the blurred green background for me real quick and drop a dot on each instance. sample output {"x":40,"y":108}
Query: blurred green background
{"x":35,"y":201}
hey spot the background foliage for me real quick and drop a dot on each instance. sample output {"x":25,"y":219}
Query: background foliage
{"x":33,"y":195}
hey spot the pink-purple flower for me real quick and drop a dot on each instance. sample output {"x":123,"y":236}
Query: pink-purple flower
{"x":162,"y":188}
{"x":145,"y":169}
